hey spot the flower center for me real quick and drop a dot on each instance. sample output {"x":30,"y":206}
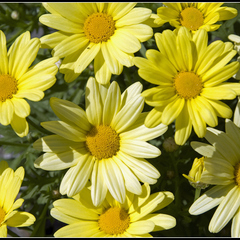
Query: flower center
{"x":114,"y":220}
{"x":191,"y":18}
{"x":102,"y":142}
{"x":8,"y":87}
{"x":2,"y":216}
{"x":99,"y":27}
{"x":237,"y":174}
{"x":188,"y":85}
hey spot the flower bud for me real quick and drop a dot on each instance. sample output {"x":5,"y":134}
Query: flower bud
{"x":194,"y":176}
{"x":170,"y":145}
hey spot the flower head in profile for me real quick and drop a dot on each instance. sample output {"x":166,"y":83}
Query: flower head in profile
{"x":106,"y":144}
{"x":191,"y":80}
{"x":19,"y":80}
{"x":10,"y":183}
{"x":195,"y":15}
{"x":133,"y":218}
{"x":222,"y":168}
{"x":108,"y":33}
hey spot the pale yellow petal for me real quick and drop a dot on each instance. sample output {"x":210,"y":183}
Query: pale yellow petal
{"x":63,"y":160}
{"x":128,"y":114}
{"x":113,"y":179}
{"x":235,"y":231}
{"x":145,"y":171}
{"x":130,"y":180}
{"x":139,"y":149}
{"x":118,"y":10}
{"x":21,"y":107}
{"x":125,"y":41}
{"x":140,"y":227}
{"x":98,"y":188}
{"x":3,"y":54}
{"x":86,"y":57}
{"x":112,"y":103}
{"x":210,"y":199}
{"x":135,"y":16}
{"x":21,"y":219}
{"x":79,"y":175}
{"x":101,"y":70}
{"x":114,"y":66}
{"x":70,"y":113}
{"x":79,"y":229}
{"x":3,"y":230}
{"x":225,"y":211}
{"x":183,"y":126}
{"x":172,"y":111}
{"x":60,"y":23}
{"x":63,"y":129}
{"x":93,"y":102}
{"x":20,"y":126}
{"x":74,"y":209}
{"x":70,"y":45}
{"x":6,"y":112}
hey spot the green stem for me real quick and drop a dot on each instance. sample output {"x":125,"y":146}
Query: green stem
{"x":197,"y":193}
{"x":14,"y":144}
{"x":40,"y":129}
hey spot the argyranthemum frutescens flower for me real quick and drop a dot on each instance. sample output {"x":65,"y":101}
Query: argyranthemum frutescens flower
{"x":191,"y":76}
{"x":108,"y":33}
{"x":195,"y":15}
{"x":133,"y":218}
{"x":10,"y":183}
{"x":18,"y":80}
{"x":106,"y":144}
{"x":222,"y":168}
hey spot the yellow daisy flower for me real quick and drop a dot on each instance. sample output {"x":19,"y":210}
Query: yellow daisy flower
{"x":222,"y":168}
{"x":18,"y":80}
{"x":133,"y":218}
{"x":108,"y":33}
{"x":196,"y":16}
{"x":191,"y":76}
{"x":10,"y":183}
{"x":106,"y":144}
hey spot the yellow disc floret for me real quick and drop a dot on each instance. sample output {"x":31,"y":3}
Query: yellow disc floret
{"x":99,"y":27}
{"x":237,"y":174}
{"x":188,"y":85}
{"x":102,"y":142}
{"x":2,"y":216}
{"x":114,"y":220}
{"x":192,"y":18}
{"x":8,"y":87}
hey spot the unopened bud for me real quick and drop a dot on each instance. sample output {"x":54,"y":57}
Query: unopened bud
{"x":194,"y":176}
{"x":15,"y":15}
{"x":170,"y":145}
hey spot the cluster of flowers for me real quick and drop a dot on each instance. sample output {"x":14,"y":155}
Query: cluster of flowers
{"x":104,"y":147}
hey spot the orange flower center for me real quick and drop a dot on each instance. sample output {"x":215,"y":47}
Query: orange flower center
{"x":2,"y":216}
{"x":99,"y":27}
{"x":102,"y":142}
{"x":114,"y":220}
{"x":237,"y":174}
{"x":187,"y":84}
{"x":191,"y":18}
{"x":8,"y":87}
